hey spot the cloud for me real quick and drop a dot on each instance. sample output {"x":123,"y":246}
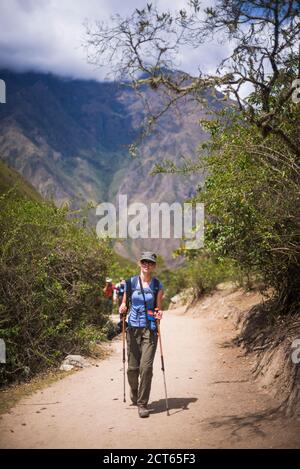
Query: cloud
{"x":47,"y":35}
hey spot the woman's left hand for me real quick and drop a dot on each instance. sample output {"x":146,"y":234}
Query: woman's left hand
{"x":158,"y":314}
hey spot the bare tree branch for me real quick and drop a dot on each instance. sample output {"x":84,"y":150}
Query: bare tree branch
{"x":142,"y":49}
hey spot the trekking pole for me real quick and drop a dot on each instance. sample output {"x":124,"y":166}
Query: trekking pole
{"x":123,"y":335}
{"x":162,"y":364}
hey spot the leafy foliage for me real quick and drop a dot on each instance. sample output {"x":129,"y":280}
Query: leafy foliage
{"x":252,"y":205}
{"x":51,"y":272}
{"x":201,"y":273}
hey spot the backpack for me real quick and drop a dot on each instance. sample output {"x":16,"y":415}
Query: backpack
{"x":121,"y":289}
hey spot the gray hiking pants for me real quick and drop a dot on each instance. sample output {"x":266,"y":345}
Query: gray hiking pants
{"x":141,"y":348}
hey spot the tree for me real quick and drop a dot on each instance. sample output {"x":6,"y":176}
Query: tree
{"x":252,"y":200}
{"x":265,"y":37}
{"x":252,"y":189}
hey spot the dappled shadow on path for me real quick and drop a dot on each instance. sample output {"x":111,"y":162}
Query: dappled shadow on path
{"x":176,"y":404}
{"x":250,"y":423}
{"x":233,"y":381}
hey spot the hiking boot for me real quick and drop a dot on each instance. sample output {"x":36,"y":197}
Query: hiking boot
{"x":143,"y":411}
{"x":133,"y":397}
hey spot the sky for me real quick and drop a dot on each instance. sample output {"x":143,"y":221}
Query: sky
{"x":47,"y":36}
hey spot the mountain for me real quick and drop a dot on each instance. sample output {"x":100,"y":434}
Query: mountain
{"x":61,"y":134}
{"x":70,"y":139}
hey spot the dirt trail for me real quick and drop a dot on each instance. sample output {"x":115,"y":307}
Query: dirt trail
{"x":213,"y":400}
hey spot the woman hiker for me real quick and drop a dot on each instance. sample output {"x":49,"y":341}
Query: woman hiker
{"x":143,"y":294}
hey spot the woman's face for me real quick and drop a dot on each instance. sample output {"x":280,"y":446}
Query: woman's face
{"x":147,"y":266}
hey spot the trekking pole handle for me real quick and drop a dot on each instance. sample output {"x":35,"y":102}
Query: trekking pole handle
{"x":156,"y":311}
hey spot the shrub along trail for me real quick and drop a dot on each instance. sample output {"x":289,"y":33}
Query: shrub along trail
{"x":213,"y":400}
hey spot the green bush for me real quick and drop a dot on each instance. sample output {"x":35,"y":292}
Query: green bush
{"x":252,"y":202}
{"x":202,"y":272}
{"x":51,"y":273}
{"x":206,"y":272}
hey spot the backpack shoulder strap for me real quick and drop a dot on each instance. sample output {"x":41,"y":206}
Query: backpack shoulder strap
{"x":131,"y":285}
{"x":156,"y":289}
{"x":128,"y":292}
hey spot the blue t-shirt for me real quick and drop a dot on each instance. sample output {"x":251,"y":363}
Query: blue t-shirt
{"x":137,"y":315}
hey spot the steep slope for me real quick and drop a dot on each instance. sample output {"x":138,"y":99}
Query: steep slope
{"x":11,"y":179}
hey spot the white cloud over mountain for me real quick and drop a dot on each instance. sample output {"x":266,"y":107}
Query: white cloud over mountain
{"x":47,"y":35}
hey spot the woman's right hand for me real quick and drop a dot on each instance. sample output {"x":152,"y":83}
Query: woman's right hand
{"x":123,"y":308}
